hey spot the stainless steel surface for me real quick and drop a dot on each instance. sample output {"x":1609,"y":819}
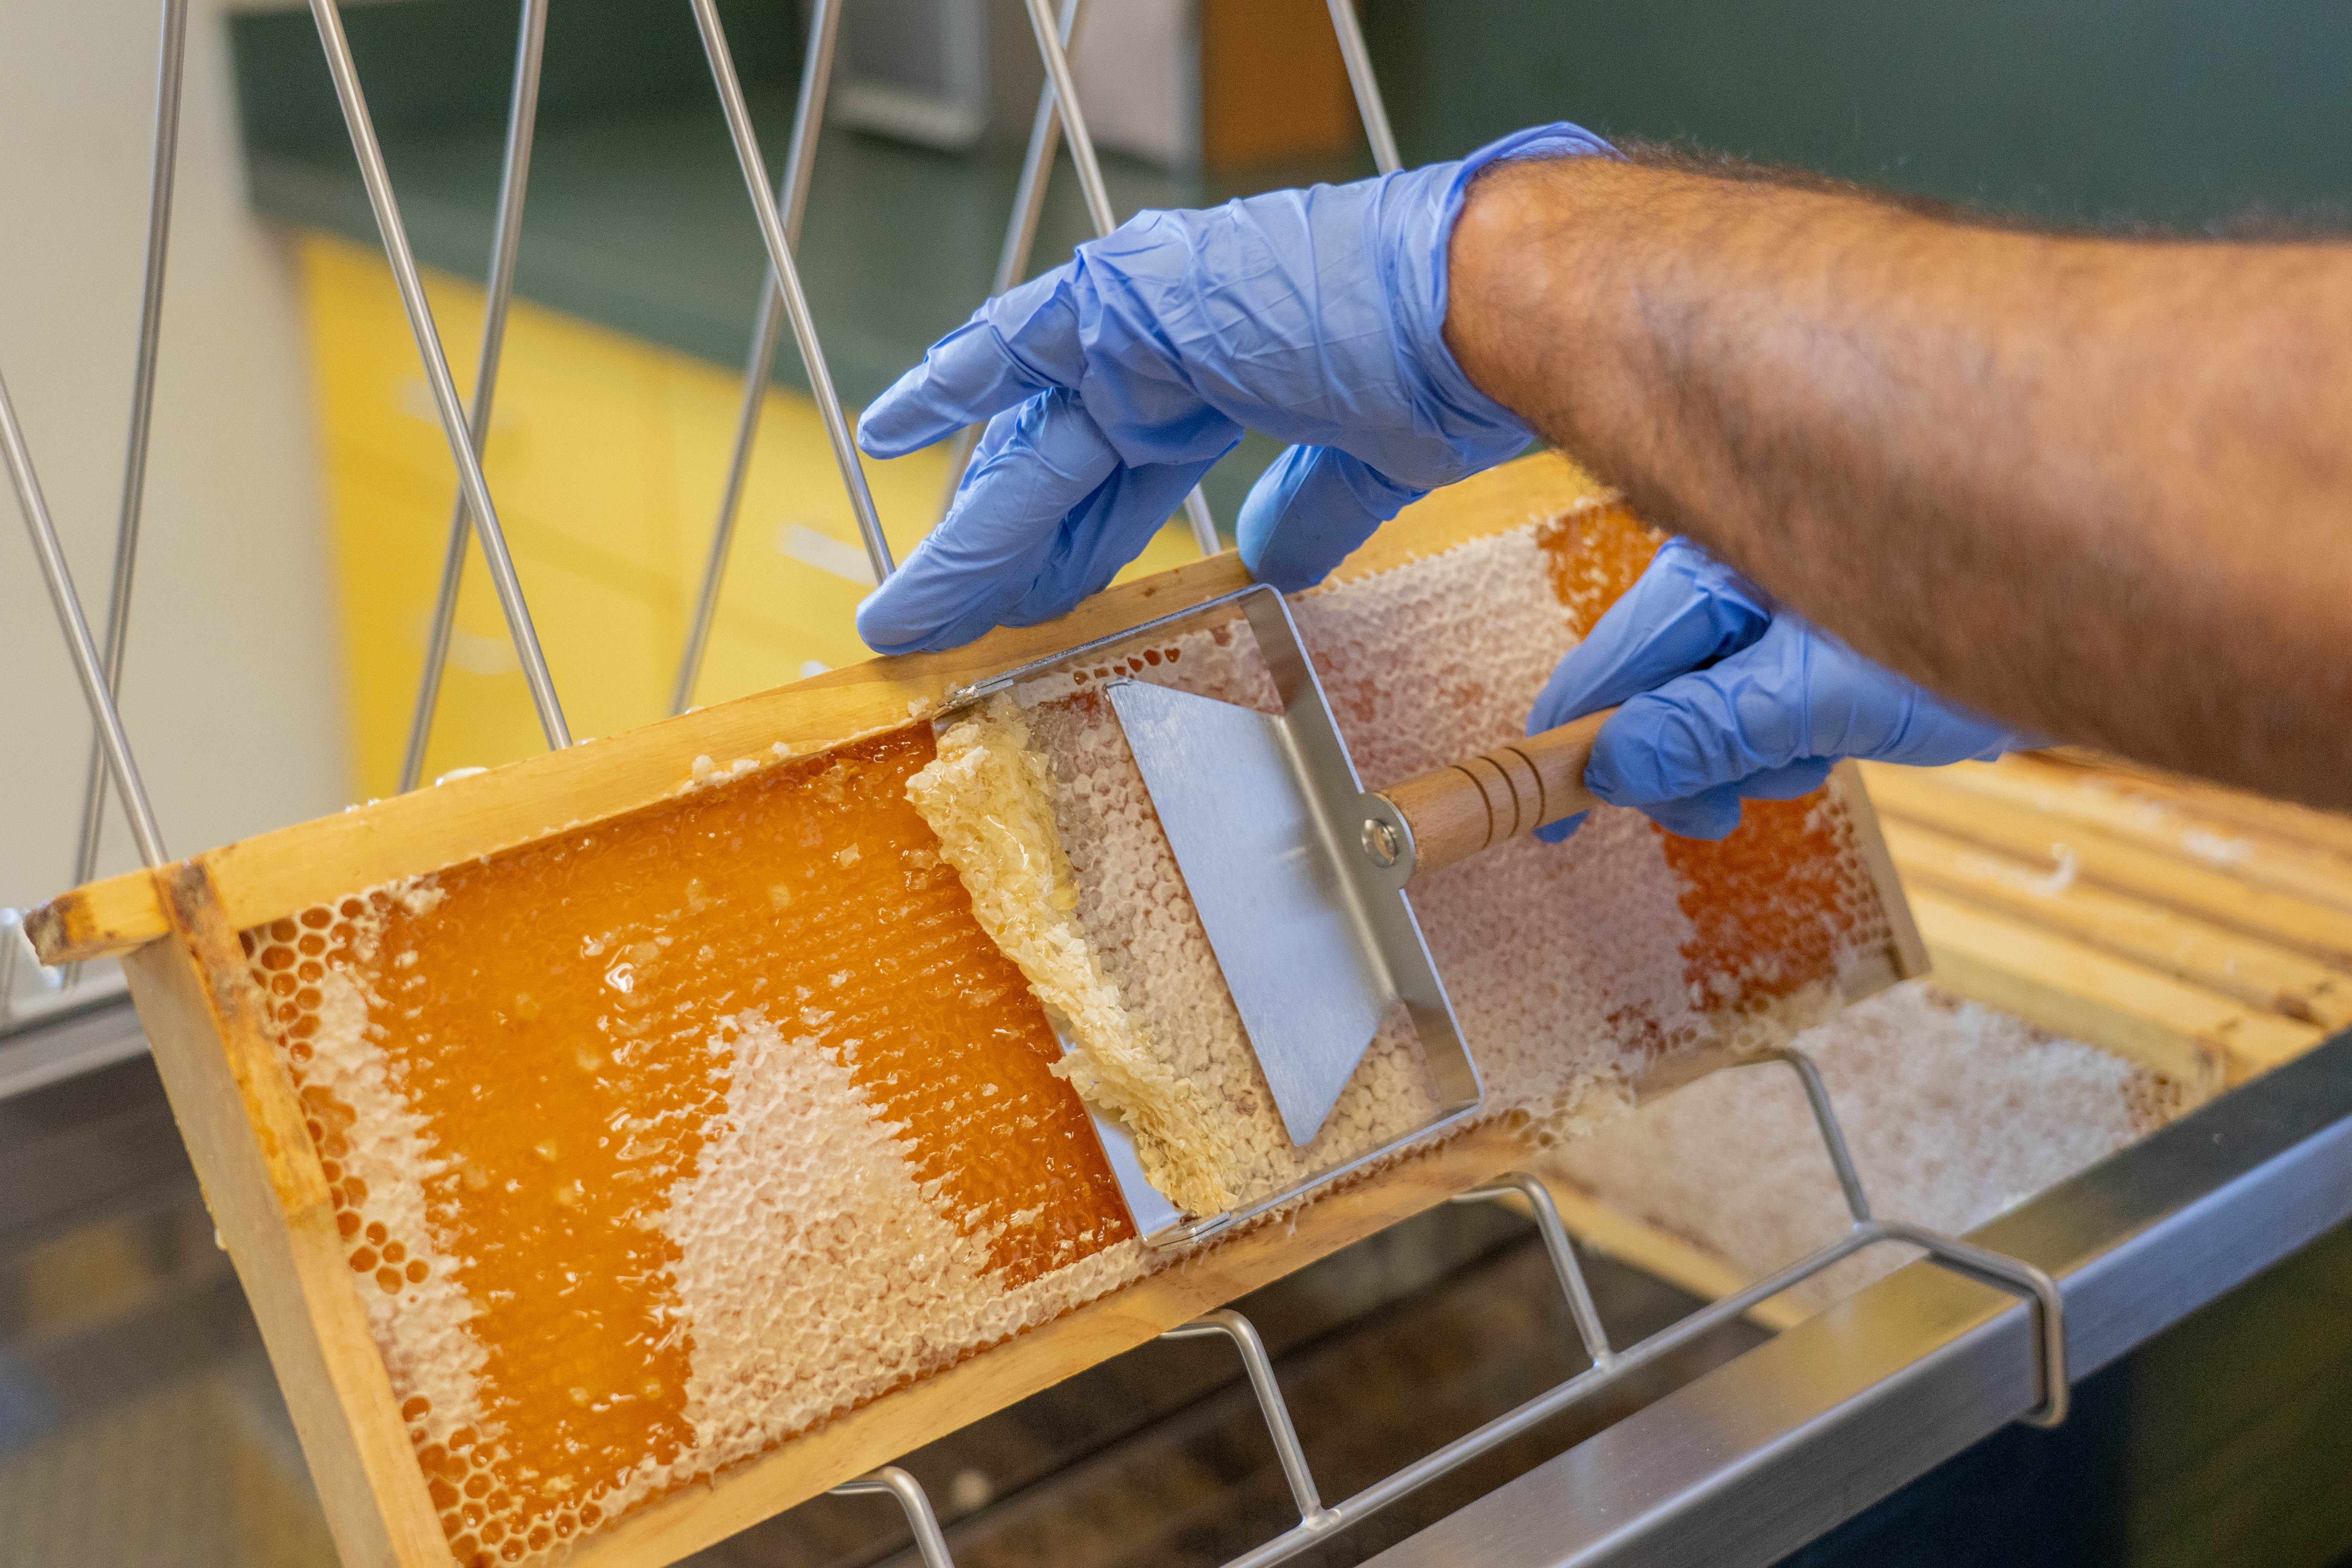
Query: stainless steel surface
{"x":788,"y":278}
{"x":1366,"y":85}
{"x":1385,"y":920}
{"x":767,"y":331}
{"x":1770,"y":1450}
{"x":475,"y":489}
{"x":1090,"y":182}
{"x":514,"y":173}
{"x":1296,"y":954}
{"x":1227,"y":1323}
{"x":169,"y":66}
{"x":930,"y":1544}
{"x":1253,"y":805}
{"x":88,"y":669}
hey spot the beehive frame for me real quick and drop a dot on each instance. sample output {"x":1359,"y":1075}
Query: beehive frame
{"x":176,"y":928}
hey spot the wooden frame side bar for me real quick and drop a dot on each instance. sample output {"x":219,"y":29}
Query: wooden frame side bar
{"x":242,"y":1122}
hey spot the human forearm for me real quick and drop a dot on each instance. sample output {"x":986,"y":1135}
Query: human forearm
{"x":2095,"y":489}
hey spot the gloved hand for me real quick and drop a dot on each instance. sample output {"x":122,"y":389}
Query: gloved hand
{"x":1726,"y":697}
{"x":1112,"y":382}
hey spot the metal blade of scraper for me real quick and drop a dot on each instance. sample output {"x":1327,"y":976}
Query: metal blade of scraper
{"x":1265,"y":875}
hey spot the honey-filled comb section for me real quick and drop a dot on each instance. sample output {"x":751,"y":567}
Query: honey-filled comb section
{"x":661,"y":1139}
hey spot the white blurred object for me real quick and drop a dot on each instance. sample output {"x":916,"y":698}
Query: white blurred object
{"x":1139,"y":68}
{"x":915,"y":70}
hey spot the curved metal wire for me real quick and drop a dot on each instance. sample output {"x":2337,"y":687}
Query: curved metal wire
{"x":767,"y":333}
{"x":172,"y":53}
{"x":788,"y":278}
{"x":472,"y":485}
{"x":922,"y":1519}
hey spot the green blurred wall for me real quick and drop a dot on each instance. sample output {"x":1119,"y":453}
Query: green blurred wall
{"x":2170,"y":111}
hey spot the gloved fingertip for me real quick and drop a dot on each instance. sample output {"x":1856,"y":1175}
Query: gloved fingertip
{"x":1308,"y":511}
{"x":1560,"y":832}
{"x":895,"y":424}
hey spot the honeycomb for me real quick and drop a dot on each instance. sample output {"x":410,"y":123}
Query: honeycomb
{"x":541,"y":1087}
{"x":666,"y":1139}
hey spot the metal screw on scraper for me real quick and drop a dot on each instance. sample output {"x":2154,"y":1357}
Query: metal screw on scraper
{"x":1387,"y":843}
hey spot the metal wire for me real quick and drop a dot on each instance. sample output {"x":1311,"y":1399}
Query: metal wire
{"x":1227,"y":1323}
{"x":796,"y":308}
{"x":86,"y":666}
{"x":1098,"y":195}
{"x":522,"y":112}
{"x":930,"y":1544}
{"x":1817,"y":1095}
{"x":170,"y":68}
{"x":1021,"y":230}
{"x":1565,"y":1268}
{"x":474,"y":486}
{"x":767,"y":332}
{"x":1366,"y":86}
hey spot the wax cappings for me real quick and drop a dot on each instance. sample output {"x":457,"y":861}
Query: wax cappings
{"x":750,"y":1053}
{"x":1953,"y":1112}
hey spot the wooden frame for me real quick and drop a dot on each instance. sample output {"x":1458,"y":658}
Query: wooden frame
{"x":236,"y":1105}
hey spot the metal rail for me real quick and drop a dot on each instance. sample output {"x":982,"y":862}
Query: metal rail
{"x":1318,"y":1521}
{"x":767,"y":332}
{"x":172,"y":53}
{"x":1366,"y":85}
{"x":1021,"y":229}
{"x":472,"y":484}
{"x":1098,"y":195}
{"x":922,"y":1520}
{"x":514,"y":173}
{"x":788,"y":278}
{"x":88,"y":668}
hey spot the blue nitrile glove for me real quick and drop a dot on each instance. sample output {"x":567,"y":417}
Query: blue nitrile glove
{"x":1112,"y":382}
{"x":1727,"y":697}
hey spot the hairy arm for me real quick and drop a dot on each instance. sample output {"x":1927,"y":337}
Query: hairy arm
{"x":2100,"y":490}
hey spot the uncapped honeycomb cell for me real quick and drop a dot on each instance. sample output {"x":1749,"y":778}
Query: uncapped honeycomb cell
{"x":663,"y":1140}
{"x":1592,"y":553}
{"x":1773,"y":905}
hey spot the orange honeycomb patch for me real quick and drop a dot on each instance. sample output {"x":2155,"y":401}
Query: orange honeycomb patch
{"x":1594,"y":552}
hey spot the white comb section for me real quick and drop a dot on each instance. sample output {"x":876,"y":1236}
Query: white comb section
{"x":816,"y":1273}
{"x":1953,"y":1113}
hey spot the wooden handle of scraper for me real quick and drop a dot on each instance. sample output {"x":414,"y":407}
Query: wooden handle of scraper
{"x":1456,"y":812}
